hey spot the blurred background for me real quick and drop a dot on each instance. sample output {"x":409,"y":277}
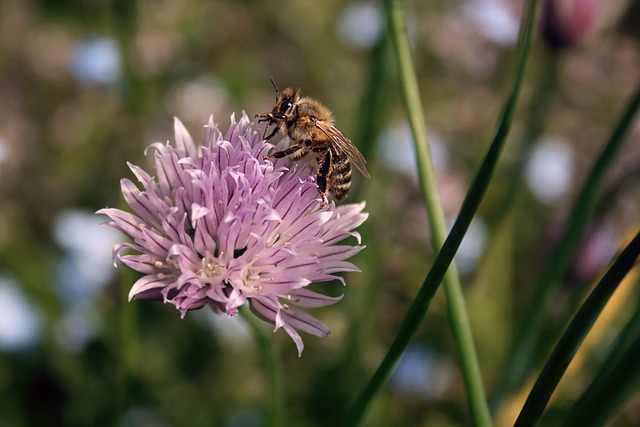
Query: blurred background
{"x":86,"y":85}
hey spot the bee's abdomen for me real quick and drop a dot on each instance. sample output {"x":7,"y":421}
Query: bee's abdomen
{"x":339,"y":177}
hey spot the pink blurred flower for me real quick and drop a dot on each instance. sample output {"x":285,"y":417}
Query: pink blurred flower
{"x":566,"y":23}
{"x":220,"y":226}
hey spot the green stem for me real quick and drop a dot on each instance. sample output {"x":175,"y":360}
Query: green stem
{"x":521,"y":363}
{"x":440,"y":269}
{"x":275,"y":394}
{"x":614,"y":383}
{"x":128,"y":337}
{"x":371,"y":115}
{"x":574,"y":335}
{"x":457,"y":312}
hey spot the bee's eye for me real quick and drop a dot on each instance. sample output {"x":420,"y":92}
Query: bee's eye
{"x":286,"y":105}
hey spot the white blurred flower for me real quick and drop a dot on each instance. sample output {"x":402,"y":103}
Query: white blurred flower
{"x":96,"y":61}
{"x":87,"y":266}
{"x":230,"y":330}
{"x":395,"y":145}
{"x":191,"y":98}
{"x":20,"y":321}
{"x":361,"y":25}
{"x":549,"y":170}
{"x":494,"y":19}
{"x":422,"y":373}
{"x":472,"y":246}
{"x":83,"y":272}
{"x":77,"y":327}
{"x":4,"y":150}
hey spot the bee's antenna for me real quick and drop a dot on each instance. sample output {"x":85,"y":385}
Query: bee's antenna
{"x":274,"y":86}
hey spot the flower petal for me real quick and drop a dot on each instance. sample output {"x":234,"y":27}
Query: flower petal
{"x":310,"y":299}
{"x":146,"y":286}
{"x":184,"y":143}
{"x":127,"y":223}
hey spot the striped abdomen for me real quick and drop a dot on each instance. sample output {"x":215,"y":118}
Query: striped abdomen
{"x":339,"y":176}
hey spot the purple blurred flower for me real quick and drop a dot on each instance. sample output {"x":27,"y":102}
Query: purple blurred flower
{"x":566,"y":23}
{"x":221,"y":226}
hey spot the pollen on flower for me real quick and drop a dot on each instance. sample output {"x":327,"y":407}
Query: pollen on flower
{"x":210,"y":268}
{"x":234,"y":229}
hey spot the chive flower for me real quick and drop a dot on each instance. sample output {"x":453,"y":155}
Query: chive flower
{"x":219,"y":225}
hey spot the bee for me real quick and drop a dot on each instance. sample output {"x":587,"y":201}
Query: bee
{"x":309,"y":125}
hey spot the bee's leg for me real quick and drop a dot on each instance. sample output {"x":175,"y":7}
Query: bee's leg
{"x":271,"y":135}
{"x":324,"y":165}
{"x":270,"y":119}
{"x":293,"y":151}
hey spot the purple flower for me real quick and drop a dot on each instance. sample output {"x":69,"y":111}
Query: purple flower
{"x":566,"y":23}
{"x":221,"y":226}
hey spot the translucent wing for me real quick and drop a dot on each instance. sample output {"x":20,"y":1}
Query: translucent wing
{"x":345,"y":145}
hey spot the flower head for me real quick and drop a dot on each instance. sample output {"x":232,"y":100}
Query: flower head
{"x":221,"y":226}
{"x":566,"y":23}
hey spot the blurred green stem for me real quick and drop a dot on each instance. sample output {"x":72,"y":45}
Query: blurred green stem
{"x":440,"y":269}
{"x":615,"y":382}
{"x":370,"y":118}
{"x":538,"y":111}
{"x":275,"y":391}
{"x":129,"y":341}
{"x":574,"y":335}
{"x":537,"y":114}
{"x":520,"y":363}
{"x":457,"y":311}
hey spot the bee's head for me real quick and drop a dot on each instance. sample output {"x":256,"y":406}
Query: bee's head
{"x":286,"y":101}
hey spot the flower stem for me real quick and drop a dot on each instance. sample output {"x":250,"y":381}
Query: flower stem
{"x":371,"y":116}
{"x":129,"y":343}
{"x":272,"y":363}
{"x":616,"y":381}
{"x":440,"y":269}
{"x":521,"y":363}
{"x":574,"y":335}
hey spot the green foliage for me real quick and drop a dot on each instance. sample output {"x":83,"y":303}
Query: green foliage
{"x":64,"y":144}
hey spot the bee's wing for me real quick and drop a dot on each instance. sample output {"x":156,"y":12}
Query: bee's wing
{"x":344,"y":145}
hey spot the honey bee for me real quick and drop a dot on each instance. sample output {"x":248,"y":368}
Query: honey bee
{"x":309,"y":125}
